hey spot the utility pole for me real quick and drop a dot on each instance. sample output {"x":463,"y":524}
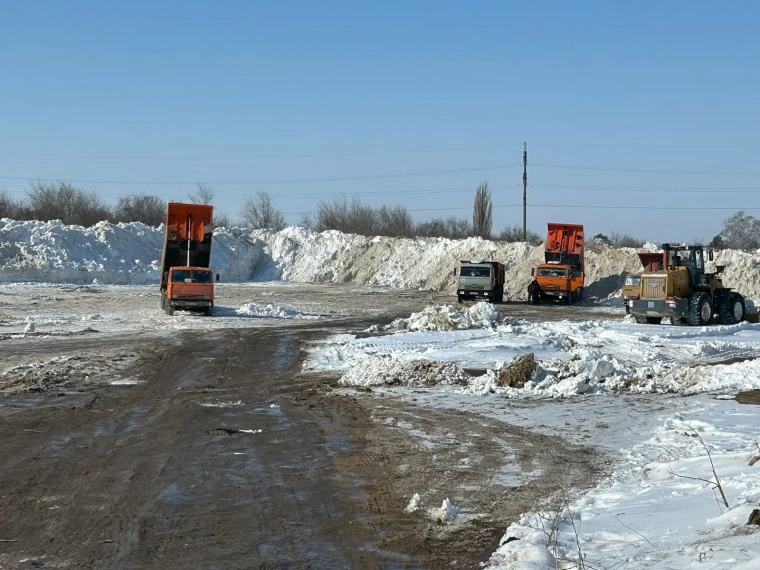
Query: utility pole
{"x":525,"y":192}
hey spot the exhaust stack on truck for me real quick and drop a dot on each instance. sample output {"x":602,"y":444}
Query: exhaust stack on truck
{"x":562,"y":275}
{"x":186,"y":279}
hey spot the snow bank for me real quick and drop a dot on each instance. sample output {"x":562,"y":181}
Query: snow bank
{"x":130,"y":254}
{"x":110,"y":253}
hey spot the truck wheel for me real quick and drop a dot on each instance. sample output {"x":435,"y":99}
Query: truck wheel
{"x":640,"y":320}
{"x":732,"y":310}
{"x":163,"y":300}
{"x":170,"y":310}
{"x":700,"y":309}
{"x":568,"y":299}
{"x":459,"y":299}
{"x":653,"y":320}
{"x":579,"y":297}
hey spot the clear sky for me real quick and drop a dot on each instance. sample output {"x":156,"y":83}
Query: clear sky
{"x":646,"y":100}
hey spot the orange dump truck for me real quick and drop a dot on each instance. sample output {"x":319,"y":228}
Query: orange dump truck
{"x":186,"y":279}
{"x":562,"y":275}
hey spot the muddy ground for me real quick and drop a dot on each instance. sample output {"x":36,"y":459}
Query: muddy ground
{"x":209,"y":449}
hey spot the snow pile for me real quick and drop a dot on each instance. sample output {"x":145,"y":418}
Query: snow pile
{"x":448,"y":317}
{"x":109,"y":253}
{"x":446,"y":513}
{"x":130,"y":254}
{"x":568,"y":358}
{"x":272,"y":311}
{"x":659,"y":509}
{"x":414,"y":504}
{"x":385,"y":370}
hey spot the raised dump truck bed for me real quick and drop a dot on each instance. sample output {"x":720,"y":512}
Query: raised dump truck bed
{"x":561,"y":277}
{"x":186,"y":278}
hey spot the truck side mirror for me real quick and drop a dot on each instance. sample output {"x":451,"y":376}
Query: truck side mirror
{"x":217,"y":278}
{"x":533,"y":271}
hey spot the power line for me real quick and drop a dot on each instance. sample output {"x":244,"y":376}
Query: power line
{"x":275,"y":181}
{"x":261,"y":157}
{"x":646,"y":171}
{"x":663,"y":189}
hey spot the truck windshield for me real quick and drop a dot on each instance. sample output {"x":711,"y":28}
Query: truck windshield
{"x":191,"y":276}
{"x":201,"y":276}
{"x":634,"y":280}
{"x":551,"y":272}
{"x":467,"y":271}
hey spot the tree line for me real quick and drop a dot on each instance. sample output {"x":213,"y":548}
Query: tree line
{"x":72,"y":205}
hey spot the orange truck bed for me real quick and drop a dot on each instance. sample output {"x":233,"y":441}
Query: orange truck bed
{"x":186,"y":279}
{"x":562,"y":275}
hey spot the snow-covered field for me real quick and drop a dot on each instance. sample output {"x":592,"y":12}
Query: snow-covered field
{"x":658,"y":509}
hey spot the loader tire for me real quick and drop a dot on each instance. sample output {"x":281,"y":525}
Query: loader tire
{"x":640,"y":320}
{"x":700,"y":309}
{"x":170,"y":310}
{"x":653,"y":320}
{"x":732,"y":311}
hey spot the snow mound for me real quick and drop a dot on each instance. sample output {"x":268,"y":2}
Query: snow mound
{"x":272,"y":311}
{"x":130,"y":254}
{"x":414,"y":504}
{"x":446,"y":513}
{"x":447,"y":318}
{"x":386,"y":370}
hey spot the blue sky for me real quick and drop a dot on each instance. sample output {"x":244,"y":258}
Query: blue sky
{"x":280,"y":96}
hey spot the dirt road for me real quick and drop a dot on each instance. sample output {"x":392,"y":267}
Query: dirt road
{"x":224,"y":456}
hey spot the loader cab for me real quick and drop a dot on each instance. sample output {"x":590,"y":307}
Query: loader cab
{"x":692,"y":259}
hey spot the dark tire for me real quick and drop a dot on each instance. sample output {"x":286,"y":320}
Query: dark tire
{"x":700,"y":309}
{"x":163,"y":300}
{"x":579,"y":294}
{"x":653,"y":320}
{"x":459,"y":299}
{"x":568,"y":299}
{"x":170,"y":310}
{"x":732,"y":311}
{"x":640,"y":320}
{"x":500,"y":298}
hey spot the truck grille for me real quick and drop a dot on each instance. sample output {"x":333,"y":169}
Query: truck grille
{"x":653,"y":287}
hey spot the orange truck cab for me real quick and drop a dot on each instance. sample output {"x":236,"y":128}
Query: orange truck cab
{"x":187,"y":281}
{"x":561,"y":277}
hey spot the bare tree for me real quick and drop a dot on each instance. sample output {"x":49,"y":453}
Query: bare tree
{"x":8,"y":208}
{"x":222,"y":220}
{"x":482,"y":212}
{"x":624,"y":240}
{"x":741,"y":231}
{"x":203,"y":194}
{"x":150,"y":210}
{"x":259,"y":213}
{"x":512,"y":234}
{"x":395,"y":221}
{"x":65,"y":202}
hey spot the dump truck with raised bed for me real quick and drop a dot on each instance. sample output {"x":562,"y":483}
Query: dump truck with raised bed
{"x":480,"y":279}
{"x":187,"y":281}
{"x":685,"y":292}
{"x":632,"y":286}
{"x":561,"y":277}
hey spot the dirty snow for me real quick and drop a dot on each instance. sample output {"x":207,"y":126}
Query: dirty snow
{"x":574,"y":358}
